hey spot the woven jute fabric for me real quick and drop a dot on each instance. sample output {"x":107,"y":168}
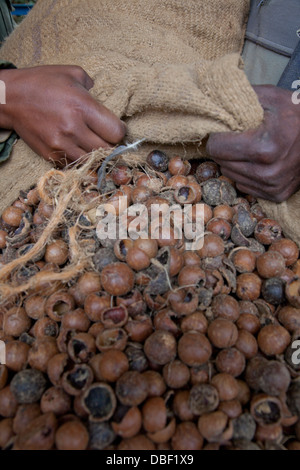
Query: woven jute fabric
{"x":171,"y":69}
{"x":287,"y":214}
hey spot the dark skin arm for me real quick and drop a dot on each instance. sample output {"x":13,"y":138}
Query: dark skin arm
{"x":52,"y":110}
{"x":264,"y":162}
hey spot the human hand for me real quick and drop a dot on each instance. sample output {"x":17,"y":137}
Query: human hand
{"x":264,"y":162}
{"x":51,"y":109}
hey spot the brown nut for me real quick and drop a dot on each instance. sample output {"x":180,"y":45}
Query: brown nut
{"x":231,"y":361}
{"x":88,"y":283}
{"x":56,"y":367}
{"x":176,"y":374}
{"x":76,"y":320}
{"x":184,"y":301}
{"x":112,"y":338}
{"x":247,"y":344}
{"x":163,"y":435}
{"x":155,"y":383}
{"x":41,"y":352}
{"x":266,"y":409}
{"x":58,"y":304}
{"x":222,"y":333}
{"x":94,"y":305}
{"x":289,"y":317}
{"x":195,"y":321}
{"x":15,"y":321}
{"x":194,"y":348}
{"x":112,"y":365}
{"x":244,"y":260}
{"x":99,"y":401}
{"x":130,"y":423}
{"x":267,"y":231}
{"x":139,"y":328}
{"x":273,"y":339}
{"x":232,"y":408}
{"x":225,"y":306}
{"x":203,"y":398}
{"x":57,"y":252}
{"x":181,"y":406}
{"x":292,"y":292}
{"x":215,"y":427}
{"x":81,"y":347}
{"x":16,"y":355}
{"x":248,"y":286}
{"x":226,"y":386}
{"x":270,"y":264}
{"x":114,"y":316}
{"x":207,"y":170}
{"x":220,"y":227}
{"x":78,"y":379}
{"x":213,"y":246}
{"x":287,"y":248}
{"x":154,"y":413}
{"x":131,"y":388}
{"x":45,"y":327}
{"x":35,"y":306}
{"x":177,"y":166}
{"x":55,"y":400}
{"x":160,"y":347}
{"x":187,"y":437}
{"x":24,"y":415}
{"x":72,"y":435}
{"x":117,"y":279}
{"x":39,"y":435}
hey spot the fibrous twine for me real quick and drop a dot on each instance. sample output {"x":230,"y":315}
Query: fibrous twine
{"x":63,"y":190}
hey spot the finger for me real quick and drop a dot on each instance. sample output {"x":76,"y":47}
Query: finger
{"x":233,"y":146}
{"x":270,"y":96}
{"x":103,"y":122}
{"x":248,"y":186}
{"x":81,"y":77}
{"x":241,"y":179}
{"x":90,"y":141}
{"x":40,"y":148}
{"x":255,"y":192}
{"x":249,"y":171}
{"x":64,"y":157}
{"x":89,"y":83}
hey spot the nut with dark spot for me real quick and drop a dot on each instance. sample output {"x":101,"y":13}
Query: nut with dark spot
{"x":76,"y":380}
{"x":203,"y":398}
{"x":216,"y":192}
{"x":158,"y":160}
{"x":99,"y":401}
{"x":132,"y":388}
{"x":28,"y":385}
{"x":101,"y":435}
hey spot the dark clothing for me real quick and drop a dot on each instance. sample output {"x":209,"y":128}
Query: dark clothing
{"x":6,"y":21}
{"x":273,"y":32}
{"x":7,"y":138}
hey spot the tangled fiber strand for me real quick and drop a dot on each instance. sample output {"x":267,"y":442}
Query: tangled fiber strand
{"x":64,"y":191}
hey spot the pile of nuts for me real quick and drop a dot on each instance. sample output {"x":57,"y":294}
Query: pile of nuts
{"x":153,"y":347}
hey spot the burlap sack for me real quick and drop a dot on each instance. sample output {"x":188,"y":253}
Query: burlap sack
{"x":287,"y":214}
{"x":170,"y":68}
